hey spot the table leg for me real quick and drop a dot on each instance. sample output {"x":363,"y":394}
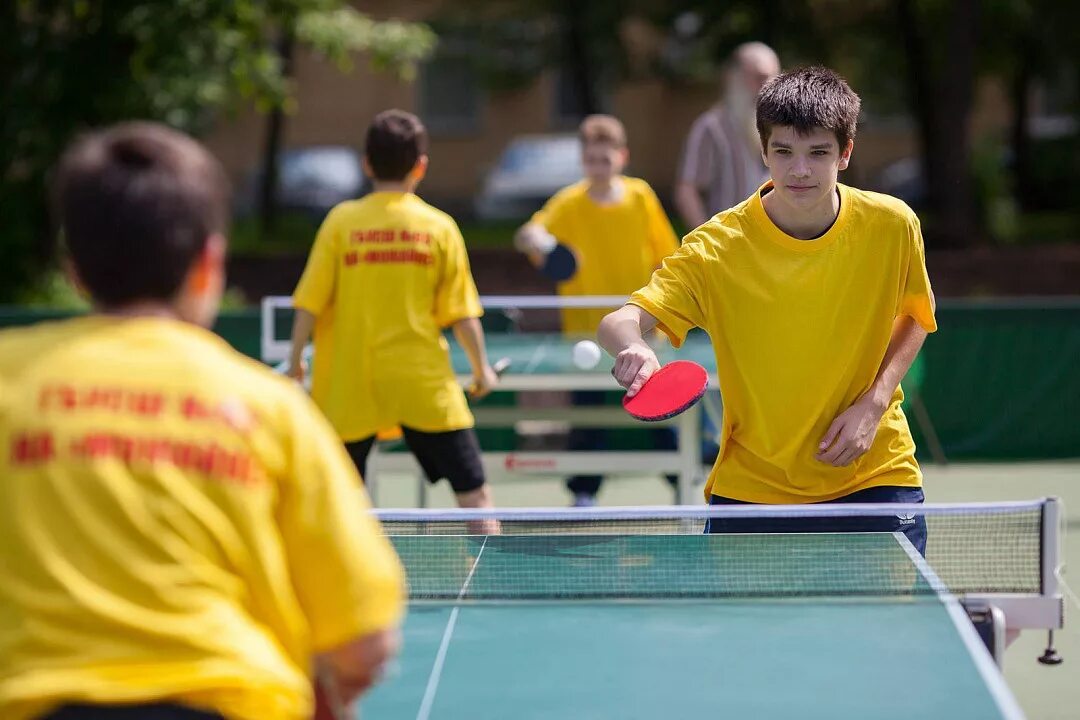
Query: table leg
{"x":689,"y":447}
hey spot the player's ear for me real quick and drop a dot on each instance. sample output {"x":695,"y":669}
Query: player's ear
{"x":845,"y":154}
{"x":208,"y":270}
{"x":420,"y":168}
{"x":366,"y":165}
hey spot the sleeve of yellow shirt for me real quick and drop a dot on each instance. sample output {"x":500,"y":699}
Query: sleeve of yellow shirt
{"x":456,"y":297}
{"x":918,"y":296}
{"x":316,"y":287}
{"x":662,"y":236}
{"x":345,"y":572}
{"x":674,"y":295}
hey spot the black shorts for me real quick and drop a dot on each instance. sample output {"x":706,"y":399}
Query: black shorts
{"x":151,"y":711}
{"x":454,"y":455}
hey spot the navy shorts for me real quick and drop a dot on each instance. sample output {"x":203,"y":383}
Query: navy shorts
{"x":914,"y":527}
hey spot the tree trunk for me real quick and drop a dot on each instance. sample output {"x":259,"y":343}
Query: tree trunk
{"x":275,"y":130}
{"x":942,"y":94}
{"x":578,"y":58}
{"x":920,"y":91}
{"x":1021,"y":134}
{"x":955,"y":97}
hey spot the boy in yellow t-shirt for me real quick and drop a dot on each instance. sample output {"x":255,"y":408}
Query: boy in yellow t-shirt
{"x":618,"y":232}
{"x":386,"y":275}
{"x":182,"y":535}
{"x":816,"y":298}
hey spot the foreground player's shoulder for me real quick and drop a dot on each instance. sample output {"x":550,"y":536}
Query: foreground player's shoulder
{"x":724,"y":232}
{"x":881,"y":209}
{"x":245,"y":384}
{"x":22,"y":347}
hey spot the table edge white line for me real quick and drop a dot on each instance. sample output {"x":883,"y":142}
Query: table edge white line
{"x":989,"y":672}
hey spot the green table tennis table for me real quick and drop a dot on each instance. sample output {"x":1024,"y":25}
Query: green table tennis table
{"x":829,"y":626}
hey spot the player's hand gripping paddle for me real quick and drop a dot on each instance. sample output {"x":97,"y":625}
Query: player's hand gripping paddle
{"x":672,"y":389}
{"x":499,"y":366}
{"x":559,"y":264}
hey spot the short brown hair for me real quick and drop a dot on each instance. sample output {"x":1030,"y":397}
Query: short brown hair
{"x":395,"y":141}
{"x":602,"y":129}
{"x":806,"y":98}
{"x":136,"y":203}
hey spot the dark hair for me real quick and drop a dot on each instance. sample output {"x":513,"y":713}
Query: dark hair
{"x":395,"y":141}
{"x":602,"y":129}
{"x":806,"y":98}
{"x":135,"y":203}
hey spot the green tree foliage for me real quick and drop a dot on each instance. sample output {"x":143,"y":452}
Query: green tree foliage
{"x":67,"y":65}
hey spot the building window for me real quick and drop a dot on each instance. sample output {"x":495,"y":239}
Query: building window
{"x":450,"y":93}
{"x":569,"y":105}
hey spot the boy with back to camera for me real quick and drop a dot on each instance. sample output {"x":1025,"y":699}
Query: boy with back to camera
{"x":387,"y":274}
{"x":182,"y":535}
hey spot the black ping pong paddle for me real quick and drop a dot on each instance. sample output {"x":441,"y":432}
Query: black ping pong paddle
{"x":560,"y":264}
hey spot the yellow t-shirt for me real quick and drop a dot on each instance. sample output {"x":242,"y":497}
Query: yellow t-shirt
{"x":799,"y":328}
{"x":176,"y":523}
{"x":617,"y":245}
{"x":386,"y":274}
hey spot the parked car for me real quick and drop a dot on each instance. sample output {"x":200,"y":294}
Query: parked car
{"x":311,"y":180}
{"x":529,"y":171}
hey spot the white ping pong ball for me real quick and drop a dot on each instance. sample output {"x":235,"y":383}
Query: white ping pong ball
{"x":587,"y":354}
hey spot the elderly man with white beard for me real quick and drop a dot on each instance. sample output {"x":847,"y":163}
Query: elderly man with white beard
{"x":721,"y":163}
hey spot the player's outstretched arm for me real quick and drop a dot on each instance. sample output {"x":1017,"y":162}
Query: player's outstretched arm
{"x":303,"y":324}
{"x":852,"y":432}
{"x":470,"y":335}
{"x":622,"y":334}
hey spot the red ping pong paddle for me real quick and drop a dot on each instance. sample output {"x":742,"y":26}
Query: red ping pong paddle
{"x":560,"y":264}
{"x":672,"y":389}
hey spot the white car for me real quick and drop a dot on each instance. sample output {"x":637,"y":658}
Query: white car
{"x":530,"y":170}
{"x":311,"y":180}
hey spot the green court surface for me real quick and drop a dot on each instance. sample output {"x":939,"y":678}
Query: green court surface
{"x":598,"y":626}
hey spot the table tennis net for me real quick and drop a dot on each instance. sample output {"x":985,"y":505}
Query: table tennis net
{"x":643,"y":553}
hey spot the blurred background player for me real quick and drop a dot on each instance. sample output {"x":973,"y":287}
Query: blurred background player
{"x":619,"y":233}
{"x":721,"y":162}
{"x":387,"y":274}
{"x":180,"y":528}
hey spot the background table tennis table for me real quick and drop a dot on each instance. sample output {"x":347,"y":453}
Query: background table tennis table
{"x":680,"y":626}
{"x":543,"y":363}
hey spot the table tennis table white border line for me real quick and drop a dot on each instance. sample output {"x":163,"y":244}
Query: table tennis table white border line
{"x":432,"y":688}
{"x":984,"y":664}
